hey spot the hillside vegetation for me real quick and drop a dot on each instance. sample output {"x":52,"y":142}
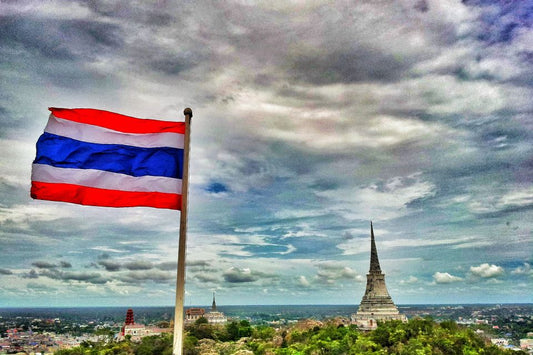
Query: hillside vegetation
{"x":417,"y":337}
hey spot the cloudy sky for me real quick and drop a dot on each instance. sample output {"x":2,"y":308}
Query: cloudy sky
{"x":310,"y":120}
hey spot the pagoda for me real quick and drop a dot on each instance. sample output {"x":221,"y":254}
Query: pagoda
{"x":215,"y":316}
{"x":376,"y":305}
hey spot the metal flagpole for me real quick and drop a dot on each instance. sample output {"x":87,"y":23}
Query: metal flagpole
{"x":177,"y":348}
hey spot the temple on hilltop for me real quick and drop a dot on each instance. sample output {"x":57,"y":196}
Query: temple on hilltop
{"x":376,"y":305}
{"x":213,"y":317}
{"x":136,"y":330}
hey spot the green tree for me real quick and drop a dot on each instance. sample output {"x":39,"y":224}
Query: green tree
{"x":201,"y":320}
{"x":263,"y":332}
{"x":232,"y":330}
{"x":155,"y":345}
{"x":189,"y":345}
{"x":202,"y":331}
{"x":245,"y":329}
{"x":416,"y":347}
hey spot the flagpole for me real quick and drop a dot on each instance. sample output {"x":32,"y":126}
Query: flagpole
{"x":177,"y":348}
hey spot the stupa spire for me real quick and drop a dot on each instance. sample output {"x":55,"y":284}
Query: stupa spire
{"x":374,"y":260}
{"x":214,"y":304}
{"x":376,"y":304}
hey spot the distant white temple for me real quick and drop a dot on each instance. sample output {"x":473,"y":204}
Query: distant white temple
{"x":213,"y":317}
{"x":376,"y":305}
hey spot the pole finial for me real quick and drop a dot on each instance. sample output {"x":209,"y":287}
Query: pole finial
{"x":188,"y":112}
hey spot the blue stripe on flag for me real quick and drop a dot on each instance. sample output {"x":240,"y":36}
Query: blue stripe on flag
{"x":65,"y":152}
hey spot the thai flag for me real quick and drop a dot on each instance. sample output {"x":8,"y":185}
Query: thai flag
{"x":101,"y":158}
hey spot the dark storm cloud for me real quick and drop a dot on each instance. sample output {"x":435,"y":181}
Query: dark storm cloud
{"x":346,"y":66}
{"x":110,"y":265}
{"x":34,"y":36}
{"x":138,"y":265}
{"x":157,"y":276}
{"x":160,"y":15}
{"x":216,"y":188}
{"x":236,"y":275}
{"x":60,"y":227}
{"x":58,"y":39}
{"x":198,"y":263}
{"x":498,"y":135}
{"x":200,"y":266}
{"x":56,"y":51}
{"x":178,"y":53}
{"x":173,"y":65}
{"x":65,"y":264}
{"x":206,"y":277}
{"x":244,"y":275}
{"x":44,"y":265}
{"x":31,"y":275}
{"x":5,"y":272}
{"x":94,"y":278}
{"x":347,"y":236}
{"x":167,"y":266}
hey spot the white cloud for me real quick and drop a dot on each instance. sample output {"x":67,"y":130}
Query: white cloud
{"x":330,"y":272}
{"x":302,"y":281}
{"x":410,"y":280}
{"x":290,"y":249}
{"x":107,"y":249}
{"x":51,"y":9}
{"x":382,"y":200}
{"x":486,"y":271}
{"x":498,"y":200}
{"x":304,"y":229}
{"x":494,"y":281}
{"x":523,"y":270}
{"x":517,"y":198}
{"x":445,"y":278}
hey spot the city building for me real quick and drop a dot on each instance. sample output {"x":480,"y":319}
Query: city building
{"x":377,"y":304}
{"x":526,"y":344}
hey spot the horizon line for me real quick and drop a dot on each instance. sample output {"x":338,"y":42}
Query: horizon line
{"x":278,"y":304}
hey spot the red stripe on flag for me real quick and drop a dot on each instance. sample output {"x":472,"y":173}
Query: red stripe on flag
{"x":116,"y":121}
{"x":101,"y":197}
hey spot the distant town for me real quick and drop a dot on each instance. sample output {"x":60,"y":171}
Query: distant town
{"x":44,"y":331}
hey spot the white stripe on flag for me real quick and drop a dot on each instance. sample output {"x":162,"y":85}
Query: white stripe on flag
{"x":105,"y":180}
{"x":95,"y":134}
